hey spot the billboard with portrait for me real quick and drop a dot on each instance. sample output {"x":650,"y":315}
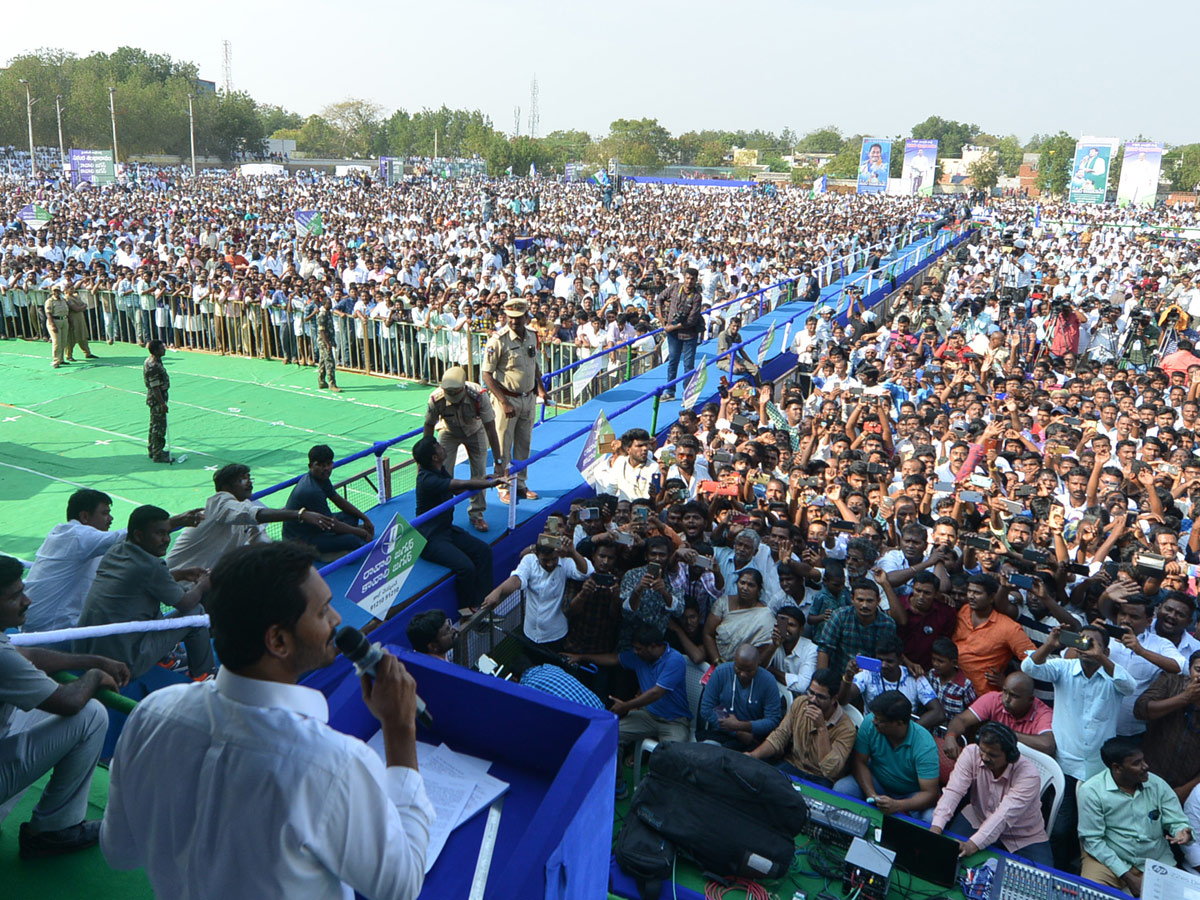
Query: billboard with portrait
{"x":920,"y":159}
{"x":874,"y":161}
{"x":1089,"y":170}
{"x":1139,"y":173}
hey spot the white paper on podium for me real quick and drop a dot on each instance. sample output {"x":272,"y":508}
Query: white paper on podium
{"x":457,"y":784}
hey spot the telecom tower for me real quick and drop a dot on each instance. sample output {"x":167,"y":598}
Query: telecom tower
{"x":227,"y":67}
{"x":533,"y":107}
{"x":516,"y":121}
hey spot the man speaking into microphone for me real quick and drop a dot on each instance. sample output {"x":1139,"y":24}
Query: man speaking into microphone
{"x":238,"y":788}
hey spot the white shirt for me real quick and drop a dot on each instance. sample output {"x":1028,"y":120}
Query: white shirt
{"x":228,"y":523}
{"x":632,"y":482}
{"x":63,"y":572}
{"x":798,"y":665}
{"x":239,"y":788}
{"x":545,"y":620}
{"x":1142,"y":671}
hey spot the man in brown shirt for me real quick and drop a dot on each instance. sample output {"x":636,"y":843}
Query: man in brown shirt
{"x":815,"y":737}
{"x":682,"y":323}
{"x":1171,"y":709}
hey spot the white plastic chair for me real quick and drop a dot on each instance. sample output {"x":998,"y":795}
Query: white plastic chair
{"x":851,"y":712}
{"x":695,"y":690}
{"x":1052,"y":776}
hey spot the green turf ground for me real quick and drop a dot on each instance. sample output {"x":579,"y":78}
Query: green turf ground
{"x":84,"y":425}
{"x":70,"y":877}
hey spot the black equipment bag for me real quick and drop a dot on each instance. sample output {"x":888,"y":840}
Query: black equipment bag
{"x":645,"y":855}
{"x":732,"y":814}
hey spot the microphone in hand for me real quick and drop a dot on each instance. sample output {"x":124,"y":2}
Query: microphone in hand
{"x":366,"y":656}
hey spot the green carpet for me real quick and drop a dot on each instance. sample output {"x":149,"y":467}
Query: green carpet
{"x":69,"y":877}
{"x":84,"y":425}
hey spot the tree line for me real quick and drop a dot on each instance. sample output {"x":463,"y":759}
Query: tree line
{"x":151,"y":107}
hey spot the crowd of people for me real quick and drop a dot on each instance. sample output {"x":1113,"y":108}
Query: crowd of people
{"x":956,"y":534}
{"x":413,"y":278}
{"x":950,"y":544}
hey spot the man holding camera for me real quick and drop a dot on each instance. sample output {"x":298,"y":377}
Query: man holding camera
{"x":682,"y":324}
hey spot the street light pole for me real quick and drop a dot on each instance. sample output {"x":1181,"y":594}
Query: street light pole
{"x":29,"y":116}
{"x":112,"y":111}
{"x":62,"y":156}
{"x":192,"y":129}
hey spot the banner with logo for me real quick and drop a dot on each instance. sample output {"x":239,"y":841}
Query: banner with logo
{"x":764,"y":349}
{"x":386,"y":568}
{"x":821,"y":185}
{"x":595,"y":447}
{"x":91,"y":167}
{"x":874,"y":161}
{"x":35,"y":217}
{"x":1139,"y":173}
{"x":691,"y":393}
{"x":920,"y":160}
{"x":584,"y":373}
{"x":309,"y":222}
{"x":1089,"y":170}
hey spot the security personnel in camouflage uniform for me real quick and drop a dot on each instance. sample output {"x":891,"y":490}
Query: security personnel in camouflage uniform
{"x":57,"y":313}
{"x":327,"y":366}
{"x":461,"y":412}
{"x":158,"y":386}
{"x":512,"y":375}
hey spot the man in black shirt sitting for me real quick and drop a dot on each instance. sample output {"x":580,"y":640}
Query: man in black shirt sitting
{"x":313,"y":492}
{"x":469,"y":558}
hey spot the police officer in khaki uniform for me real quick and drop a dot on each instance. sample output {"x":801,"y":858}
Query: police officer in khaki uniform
{"x":57,"y":314}
{"x":461,"y":412}
{"x":513,"y":375}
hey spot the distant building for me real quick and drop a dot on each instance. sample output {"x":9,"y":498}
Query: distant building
{"x":205,"y":87}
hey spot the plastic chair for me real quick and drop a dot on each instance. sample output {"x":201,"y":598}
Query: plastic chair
{"x":852,"y":713}
{"x":695,"y":690}
{"x":1052,"y":776}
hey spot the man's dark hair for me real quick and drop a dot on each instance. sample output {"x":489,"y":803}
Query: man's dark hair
{"x":1000,"y":735}
{"x":156,"y":347}
{"x":945,"y":647}
{"x":648,"y":635}
{"x":145,"y":516}
{"x":634,"y":434}
{"x":1116,"y":750}
{"x":423,"y":450}
{"x":864,"y":584}
{"x":253,"y":588}
{"x":85,"y":500}
{"x":422,"y":629}
{"x":792,"y":612}
{"x":10,"y":570}
{"x":985,"y":581}
{"x":828,"y":679}
{"x":889,"y":643}
{"x":320,"y":453}
{"x":892,"y":706}
{"x":226,"y":475}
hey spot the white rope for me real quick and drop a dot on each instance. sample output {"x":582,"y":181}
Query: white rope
{"x":96,"y":631}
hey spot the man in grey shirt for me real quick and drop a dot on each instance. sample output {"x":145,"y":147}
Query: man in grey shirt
{"x":133,"y":583}
{"x":48,"y":726}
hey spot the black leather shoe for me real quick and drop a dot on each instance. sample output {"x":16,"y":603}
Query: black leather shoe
{"x":56,"y":843}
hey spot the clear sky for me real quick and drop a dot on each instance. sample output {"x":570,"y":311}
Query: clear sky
{"x":1021,"y":66}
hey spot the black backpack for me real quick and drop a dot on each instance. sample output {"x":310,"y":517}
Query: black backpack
{"x":732,"y":814}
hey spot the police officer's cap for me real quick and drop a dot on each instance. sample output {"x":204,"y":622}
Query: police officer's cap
{"x":516,"y":307}
{"x":455,"y":379}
